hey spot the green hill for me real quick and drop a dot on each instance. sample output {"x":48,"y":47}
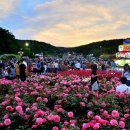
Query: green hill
{"x":8,"y":44}
{"x":98,"y":48}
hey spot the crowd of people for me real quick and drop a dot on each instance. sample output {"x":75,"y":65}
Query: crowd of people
{"x":38,"y":66}
{"x":20,"y":69}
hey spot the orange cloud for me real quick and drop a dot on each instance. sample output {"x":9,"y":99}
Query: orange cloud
{"x":74,"y":22}
{"x":7,"y":7}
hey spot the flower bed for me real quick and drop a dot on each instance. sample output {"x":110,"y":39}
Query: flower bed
{"x":59,"y":102}
{"x":88,"y":73}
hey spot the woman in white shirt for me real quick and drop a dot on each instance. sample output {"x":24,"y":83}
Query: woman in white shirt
{"x":123,"y":87}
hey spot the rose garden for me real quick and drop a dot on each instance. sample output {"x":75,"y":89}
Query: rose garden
{"x":63,"y":102}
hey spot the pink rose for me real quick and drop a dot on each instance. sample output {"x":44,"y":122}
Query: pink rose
{"x":113,"y":122}
{"x":27,"y":109}
{"x":115,"y":114}
{"x":34,"y":108}
{"x":5,"y":103}
{"x":27,"y":117}
{"x":98,"y":118}
{"x":55,"y":128}
{"x":91,"y":124}
{"x":85,"y":125}
{"x":96,"y":126}
{"x":7,"y":122}
{"x":121,"y":124}
{"x":127,"y":110}
{"x":56,"y":118}
{"x":60,"y":110}
{"x":73,"y":125}
{"x":6,"y":96}
{"x":19,"y":109}
{"x":73,"y":121}
{"x":66,"y":122}
{"x":122,"y":119}
{"x":39,"y":99}
{"x":105,"y":114}
{"x":86,"y":95}
{"x":82,"y":104}
{"x":6,"y":116}
{"x":34,"y":126}
{"x":59,"y":101}
{"x":63,"y":128}
{"x":45,"y":100}
{"x":89,"y":113}
{"x":39,"y":121}
{"x":103,"y":122}
{"x":126,"y":115}
{"x":40,"y":112}
{"x":44,"y":120}
{"x":18,"y":99}
{"x":50,"y":117}
{"x":70,"y":114}
{"x":103,"y":104}
{"x":9,"y":108}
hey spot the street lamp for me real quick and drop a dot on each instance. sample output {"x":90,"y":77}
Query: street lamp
{"x":26,"y":44}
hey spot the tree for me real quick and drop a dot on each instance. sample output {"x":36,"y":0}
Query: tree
{"x":8,"y":43}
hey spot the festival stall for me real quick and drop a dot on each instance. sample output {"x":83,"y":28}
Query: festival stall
{"x":123,"y":56}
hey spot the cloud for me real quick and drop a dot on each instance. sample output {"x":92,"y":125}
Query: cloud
{"x":7,"y":7}
{"x":76,"y":22}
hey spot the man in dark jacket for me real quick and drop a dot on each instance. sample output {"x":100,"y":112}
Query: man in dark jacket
{"x":22,"y":68}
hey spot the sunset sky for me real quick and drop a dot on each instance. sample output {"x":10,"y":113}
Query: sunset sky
{"x":66,"y":23}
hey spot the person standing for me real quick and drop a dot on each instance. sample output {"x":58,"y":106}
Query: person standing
{"x":22,"y":68}
{"x":1,"y":70}
{"x":48,"y":67}
{"x":94,"y":76}
{"x":113,"y":65}
{"x":12,"y":72}
{"x":103,"y":67}
{"x":77,"y":65}
{"x":127,"y":73}
{"x":45,"y":68}
{"x":39,"y":67}
{"x":56,"y":66}
{"x":83,"y":66}
{"x":17,"y":69}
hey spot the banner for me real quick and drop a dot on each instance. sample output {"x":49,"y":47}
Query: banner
{"x":122,"y":62}
{"x":124,"y":47}
{"x":126,"y":41}
{"x":123,"y":55}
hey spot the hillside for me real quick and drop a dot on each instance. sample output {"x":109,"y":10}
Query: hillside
{"x":98,"y":48}
{"x":8,"y":44}
{"x":40,"y":47}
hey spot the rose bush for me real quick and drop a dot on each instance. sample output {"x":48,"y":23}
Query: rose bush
{"x":61,"y":102}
